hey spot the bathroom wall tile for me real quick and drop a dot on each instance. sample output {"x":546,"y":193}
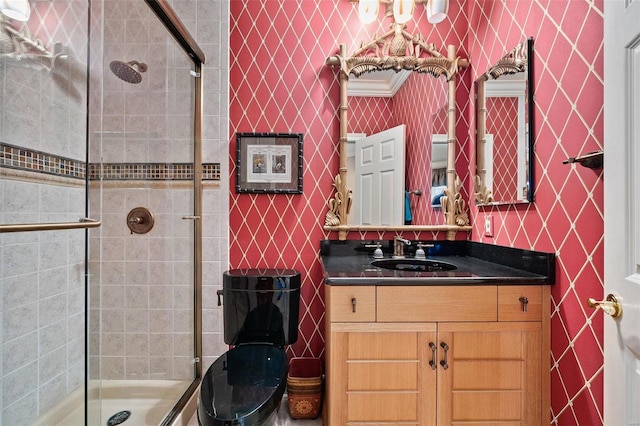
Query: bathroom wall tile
{"x":160,"y":296}
{"x":182,"y":249}
{"x":183,"y":296}
{"x":76,"y":325}
{"x":162,"y":320}
{"x":213,"y":344}
{"x":136,"y":297}
{"x":112,"y":202}
{"x":136,"y":320}
{"x":75,"y":376}
{"x":112,"y":249}
{"x":160,"y":273}
{"x":183,"y":367}
{"x":19,"y":383}
{"x":75,"y":301}
{"x":136,"y":198}
{"x":161,"y":249}
{"x":19,"y":321}
{"x":48,"y":393}
{"x":75,"y":351}
{"x":136,"y":344}
{"x":52,"y":254}
{"x":112,"y":297}
{"x":183,"y":344}
{"x":19,"y":352}
{"x":161,"y":344}
{"x":112,"y":344}
{"x":113,"y":320}
{"x":52,"y":337}
{"x":112,"y":368}
{"x":183,"y":320}
{"x":212,"y":320}
{"x":52,"y":364}
{"x":52,"y":309}
{"x":19,"y":259}
{"x":112,"y":273}
{"x":136,"y":248}
{"x":114,"y":225}
{"x":21,"y":412}
{"x":19,"y":290}
{"x":137,"y":368}
{"x":160,"y":368}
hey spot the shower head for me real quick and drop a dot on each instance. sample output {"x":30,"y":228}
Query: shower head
{"x":126,"y":71}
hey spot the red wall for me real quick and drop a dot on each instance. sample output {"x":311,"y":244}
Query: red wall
{"x":279,"y":83}
{"x":567,"y":215}
{"x":502,"y":123}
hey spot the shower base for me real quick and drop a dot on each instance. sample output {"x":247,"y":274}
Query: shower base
{"x":149,"y":401}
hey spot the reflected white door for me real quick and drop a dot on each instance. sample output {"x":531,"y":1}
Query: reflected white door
{"x":379,"y":178}
{"x":622,"y":221}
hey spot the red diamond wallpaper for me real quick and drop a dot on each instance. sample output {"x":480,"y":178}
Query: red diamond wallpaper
{"x":279,"y":83}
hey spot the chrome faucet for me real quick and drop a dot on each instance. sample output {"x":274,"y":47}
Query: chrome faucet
{"x":398,"y":246}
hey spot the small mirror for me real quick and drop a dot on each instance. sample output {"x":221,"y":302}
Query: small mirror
{"x":504,"y":137}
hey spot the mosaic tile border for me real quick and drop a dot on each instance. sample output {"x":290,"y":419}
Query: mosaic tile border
{"x":151,"y":171}
{"x":30,"y":160}
{"x":21,"y":158}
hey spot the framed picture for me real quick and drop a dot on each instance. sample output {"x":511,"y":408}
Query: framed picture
{"x":269,"y":163}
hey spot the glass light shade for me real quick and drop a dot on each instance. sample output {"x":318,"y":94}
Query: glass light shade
{"x":437,"y":10}
{"x":19,"y":10}
{"x":402,"y":10}
{"x":368,"y":10}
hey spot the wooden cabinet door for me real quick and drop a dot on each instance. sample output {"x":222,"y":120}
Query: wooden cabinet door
{"x":493,"y":373}
{"x":381,"y":374}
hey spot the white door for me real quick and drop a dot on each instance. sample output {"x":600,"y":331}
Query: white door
{"x":379,"y":178}
{"x":621,"y":211}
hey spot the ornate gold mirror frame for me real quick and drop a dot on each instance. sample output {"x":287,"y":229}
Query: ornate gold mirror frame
{"x":398,"y":50}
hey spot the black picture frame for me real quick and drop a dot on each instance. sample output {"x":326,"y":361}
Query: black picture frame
{"x":269,"y":163}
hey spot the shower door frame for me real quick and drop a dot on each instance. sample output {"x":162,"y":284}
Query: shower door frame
{"x":176,"y":28}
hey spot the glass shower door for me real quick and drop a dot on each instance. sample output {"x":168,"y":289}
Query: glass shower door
{"x":142,"y":187}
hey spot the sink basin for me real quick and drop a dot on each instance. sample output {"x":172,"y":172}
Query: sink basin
{"x":414,"y":265}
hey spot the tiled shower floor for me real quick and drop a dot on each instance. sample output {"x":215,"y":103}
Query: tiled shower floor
{"x":283,"y":418}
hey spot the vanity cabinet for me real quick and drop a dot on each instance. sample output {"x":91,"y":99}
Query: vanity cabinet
{"x":437,"y":355}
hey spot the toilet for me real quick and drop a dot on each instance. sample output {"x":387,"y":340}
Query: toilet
{"x":244,"y":386}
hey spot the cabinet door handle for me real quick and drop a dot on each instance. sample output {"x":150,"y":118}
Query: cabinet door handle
{"x":433,"y":348}
{"x":524,"y":302}
{"x":443,"y":361}
{"x":353,"y":305}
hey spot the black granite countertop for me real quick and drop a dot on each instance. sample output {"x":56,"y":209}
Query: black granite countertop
{"x":349,"y":263}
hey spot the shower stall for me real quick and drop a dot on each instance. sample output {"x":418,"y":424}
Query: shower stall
{"x":100,"y":205}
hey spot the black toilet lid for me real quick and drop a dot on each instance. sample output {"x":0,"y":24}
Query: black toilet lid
{"x":245,"y":383}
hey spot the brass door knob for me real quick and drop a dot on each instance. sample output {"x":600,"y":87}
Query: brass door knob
{"x":610,"y":306}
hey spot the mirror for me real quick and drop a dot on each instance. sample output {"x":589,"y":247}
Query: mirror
{"x":397,"y":50}
{"x":412,"y":173}
{"x":504,"y":136}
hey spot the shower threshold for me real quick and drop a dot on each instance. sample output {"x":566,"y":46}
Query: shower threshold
{"x":149,"y":401}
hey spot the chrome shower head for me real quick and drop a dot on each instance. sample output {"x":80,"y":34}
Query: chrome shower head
{"x":126,"y":71}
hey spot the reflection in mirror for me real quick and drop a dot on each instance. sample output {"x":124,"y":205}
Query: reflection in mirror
{"x":380,"y":104}
{"x":504,"y":151}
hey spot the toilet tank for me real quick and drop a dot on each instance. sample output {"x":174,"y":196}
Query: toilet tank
{"x":261,"y":306}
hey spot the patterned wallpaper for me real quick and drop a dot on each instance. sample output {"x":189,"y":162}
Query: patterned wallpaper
{"x":502,"y":123}
{"x":279,"y":82}
{"x":567,"y":214}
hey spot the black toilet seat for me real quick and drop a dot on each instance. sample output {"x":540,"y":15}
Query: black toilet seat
{"x":243,"y":386}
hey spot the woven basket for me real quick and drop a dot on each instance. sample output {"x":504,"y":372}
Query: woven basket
{"x":304,"y":388}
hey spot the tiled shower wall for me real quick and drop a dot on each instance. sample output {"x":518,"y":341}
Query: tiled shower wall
{"x":142,"y":324}
{"x":42,"y":117}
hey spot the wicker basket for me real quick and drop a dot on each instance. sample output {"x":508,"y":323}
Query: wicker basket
{"x":304,"y":388}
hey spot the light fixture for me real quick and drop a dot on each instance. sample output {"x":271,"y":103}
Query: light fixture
{"x":401,"y":10}
{"x":368,"y":10}
{"x":437,"y":10}
{"x":18,"y":10}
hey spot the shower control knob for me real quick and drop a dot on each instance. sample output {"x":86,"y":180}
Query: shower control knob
{"x":140,"y":220}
